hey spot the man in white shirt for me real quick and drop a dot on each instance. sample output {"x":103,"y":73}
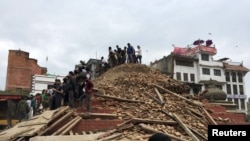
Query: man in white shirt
{"x":139,"y":54}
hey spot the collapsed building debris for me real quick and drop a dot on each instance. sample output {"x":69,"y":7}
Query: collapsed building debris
{"x":142,"y":100}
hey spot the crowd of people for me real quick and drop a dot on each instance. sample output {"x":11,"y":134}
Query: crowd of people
{"x":119,"y":56}
{"x":76,"y":86}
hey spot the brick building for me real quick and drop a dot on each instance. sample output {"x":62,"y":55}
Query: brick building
{"x":20,"y":70}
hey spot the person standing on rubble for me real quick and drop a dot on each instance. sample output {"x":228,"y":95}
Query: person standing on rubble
{"x":88,"y":92}
{"x":130,"y":53}
{"x":71,"y":89}
{"x":58,"y":90}
{"x":139,"y":54}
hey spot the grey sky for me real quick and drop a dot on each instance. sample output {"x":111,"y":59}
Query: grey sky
{"x":70,"y":31}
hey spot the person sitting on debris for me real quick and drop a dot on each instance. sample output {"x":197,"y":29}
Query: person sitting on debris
{"x":159,"y":137}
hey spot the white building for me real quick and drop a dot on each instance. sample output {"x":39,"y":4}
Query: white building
{"x":196,"y":67}
{"x":41,"y":82}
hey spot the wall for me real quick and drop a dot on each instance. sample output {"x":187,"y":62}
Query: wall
{"x":20,"y":70}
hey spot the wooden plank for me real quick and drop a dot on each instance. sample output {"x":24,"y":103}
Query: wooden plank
{"x":194,"y":112}
{"x":127,"y":126}
{"x":168,"y":114}
{"x":179,"y":96}
{"x":197,"y":133}
{"x":139,"y":120}
{"x":99,"y":115}
{"x":185,"y":128}
{"x":65,"y":126}
{"x":56,"y":123}
{"x":209,"y":117}
{"x":31,"y":124}
{"x":149,"y":129}
{"x":20,"y":132}
{"x":71,"y":126}
{"x":154,"y":98}
{"x":118,"y":99}
{"x":159,"y":95}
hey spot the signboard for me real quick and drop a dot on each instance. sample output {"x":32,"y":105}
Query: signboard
{"x":237,"y":96}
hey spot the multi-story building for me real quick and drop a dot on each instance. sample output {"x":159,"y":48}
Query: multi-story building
{"x":196,"y":66}
{"x":20,"y":70}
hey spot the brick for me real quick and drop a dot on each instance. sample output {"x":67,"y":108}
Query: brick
{"x":20,"y":70}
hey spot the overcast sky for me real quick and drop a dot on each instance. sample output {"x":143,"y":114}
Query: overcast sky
{"x":70,"y":31}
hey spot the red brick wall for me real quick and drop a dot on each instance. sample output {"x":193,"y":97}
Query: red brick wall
{"x":96,"y":125}
{"x":20,"y":70}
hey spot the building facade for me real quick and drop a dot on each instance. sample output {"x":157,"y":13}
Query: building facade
{"x":41,"y":82}
{"x":196,"y":67}
{"x":20,"y":70}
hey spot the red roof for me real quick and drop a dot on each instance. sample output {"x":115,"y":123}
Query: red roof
{"x":192,"y":51}
{"x":235,"y":67}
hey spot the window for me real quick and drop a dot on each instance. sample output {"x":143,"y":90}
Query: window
{"x":229,"y":100}
{"x":206,"y":71}
{"x":240,"y":77}
{"x":184,"y":63}
{"x":192,"y":77}
{"x":185,"y":76}
{"x":204,"y":57}
{"x":241,"y":89}
{"x":235,"y":90}
{"x":219,"y":86}
{"x":234,"y":76}
{"x":242,"y":104}
{"x":178,"y":76}
{"x":217,"y":72}
{"x":236,"y":102}
{"x":229,"y":91}
{"x":227,"y":76}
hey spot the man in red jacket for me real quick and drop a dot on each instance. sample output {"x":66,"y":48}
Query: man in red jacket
{"x":88,"y":92}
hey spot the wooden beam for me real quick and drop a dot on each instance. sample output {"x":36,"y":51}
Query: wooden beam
{"x":149,"y":129}
{"x":65,"y":126}
{"x":100,"y":115}
{"x":122,"y":127}
{"x":177,"y":95}
{"x":32,"y":124}
{"x":168,"y":114}
{"x":154,"y":98}
{"x":159,"y":95}
{"x":56,"y":123}
{"x":194,"y":112}
{"x":185,"y":128}
{"x":197,"y":133}
{"x":209,"y":117}
{"x":139,"y":120}
{"x":71,"y":126}
{"x":59,"y":113}
{"x":118,"y":99}
{"x":21,"y":132}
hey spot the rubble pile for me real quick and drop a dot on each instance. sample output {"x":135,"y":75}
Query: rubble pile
{"x":151,"y":101}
